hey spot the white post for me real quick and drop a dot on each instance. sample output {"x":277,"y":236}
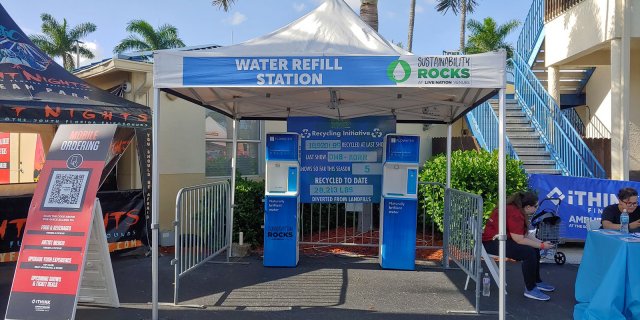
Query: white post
{"x":155,"y":203}
{"x":625,"y":84}
{"x":449,"y":134}
{"x":502,"y":187}
{"x":233,"y":183}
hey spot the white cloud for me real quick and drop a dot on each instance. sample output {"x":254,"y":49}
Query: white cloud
{"x":430,"y":2}
{"x":237,"y":18}
{"x":419,"y":9}
{"x":298,"y":7}
{"x":97,"y":53}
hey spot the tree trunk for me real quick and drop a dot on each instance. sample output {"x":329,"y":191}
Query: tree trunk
{"x":412,"y":16}
{"x":463,"y":22}
{"x":369,"y":13}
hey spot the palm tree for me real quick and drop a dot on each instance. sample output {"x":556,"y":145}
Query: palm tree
{"x":369,"y":13}
{"x":145,"y":38}
{"x":224,"y":4}
{"x":489,"y":36}
{"x":58,"y":40}
{"x":412,"y":16}
{"x":462,"y":6}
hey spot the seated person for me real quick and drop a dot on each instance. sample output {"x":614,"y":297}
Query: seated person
{"x":627,"y":199}
{"x":520,"y":245}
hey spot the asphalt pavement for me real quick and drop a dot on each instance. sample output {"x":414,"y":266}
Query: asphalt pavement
{"x":322,"y":287}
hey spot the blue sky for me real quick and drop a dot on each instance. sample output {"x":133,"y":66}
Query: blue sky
{"x":199,"y":22}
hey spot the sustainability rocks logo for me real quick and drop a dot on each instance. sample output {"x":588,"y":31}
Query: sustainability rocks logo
{"x":399,"y":71}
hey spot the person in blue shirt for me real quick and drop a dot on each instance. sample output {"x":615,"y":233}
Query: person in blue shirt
{"x":627,"y":199}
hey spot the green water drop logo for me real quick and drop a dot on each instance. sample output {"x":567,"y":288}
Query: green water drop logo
{"x":399,"y":71}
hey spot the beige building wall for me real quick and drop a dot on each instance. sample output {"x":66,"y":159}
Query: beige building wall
{"x":598,"y":94}
{"x":594,"y":33}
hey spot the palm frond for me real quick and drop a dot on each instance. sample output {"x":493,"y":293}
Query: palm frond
{"x":445,"y":5}
{"x":224,"y":4}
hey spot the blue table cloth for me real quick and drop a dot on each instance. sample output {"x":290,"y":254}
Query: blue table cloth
{"x":608,"y":281}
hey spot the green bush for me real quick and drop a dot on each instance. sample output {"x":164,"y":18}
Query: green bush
{"x":471,"y":171}
{"x":248,"y":215}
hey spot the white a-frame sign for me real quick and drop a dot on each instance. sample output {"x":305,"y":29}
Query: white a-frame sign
{"x":98,"y":285}
{"x":64,"y":258}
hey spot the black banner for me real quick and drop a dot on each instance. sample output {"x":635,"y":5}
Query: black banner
{"x":123,"y":216}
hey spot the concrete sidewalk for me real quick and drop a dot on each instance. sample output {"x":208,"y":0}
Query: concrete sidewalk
{"x":324,"y":287}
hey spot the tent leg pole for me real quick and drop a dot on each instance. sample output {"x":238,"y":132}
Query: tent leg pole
{"x":233,"y":184}
{"x":502,"y":188}
{"x":155,"y":198}
{"x":447,"y":200}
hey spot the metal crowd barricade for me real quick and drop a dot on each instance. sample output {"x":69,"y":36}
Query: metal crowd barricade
{"x":430,"y":202}
{"x":463,"y":234}
{"x":201,"y":227}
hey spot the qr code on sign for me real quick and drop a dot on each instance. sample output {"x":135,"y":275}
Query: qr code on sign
{"x":66,"y":190}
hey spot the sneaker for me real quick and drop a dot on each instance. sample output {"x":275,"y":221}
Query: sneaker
{"x":536,"y":294}
{"x":543,"y":286}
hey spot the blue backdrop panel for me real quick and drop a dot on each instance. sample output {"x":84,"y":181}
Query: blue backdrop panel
{"x":398,"y":249}
{"x":280,"y":232}
{"x":341,"y":160}
{"x":582,"y":199}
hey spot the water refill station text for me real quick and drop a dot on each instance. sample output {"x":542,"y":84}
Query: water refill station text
{"x":399,"y":205}
{"x":281,"y":200}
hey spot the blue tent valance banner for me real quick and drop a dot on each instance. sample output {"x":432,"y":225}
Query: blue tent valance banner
{"x":583,"y":199}
{"x":196,"y":70}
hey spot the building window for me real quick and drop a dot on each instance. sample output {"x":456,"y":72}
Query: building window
{"x":21,"y":157}
{"x":219,"y":144}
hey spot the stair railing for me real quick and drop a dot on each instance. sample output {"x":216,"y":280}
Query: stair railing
{"x":484,"y":125}
{"x":531,"y":29}
{"x":564,"y":143}
{"x":575,"y":120}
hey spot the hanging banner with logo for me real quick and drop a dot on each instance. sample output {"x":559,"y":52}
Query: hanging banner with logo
{"x":123,"y":215}
{"x":470,"y":71}
{"x":5,"y":157}
{"x":54,"y":243}
{"x":583,"y":199}
{"x":341,"y":160}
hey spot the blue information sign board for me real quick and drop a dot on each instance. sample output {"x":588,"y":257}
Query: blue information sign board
{"x":341,"y":160}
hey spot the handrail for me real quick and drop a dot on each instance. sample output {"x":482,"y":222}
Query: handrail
{"x":531,"y":29}
{"x":484,"y":125}
{"x":575,"y":120}
{"x":565,"y":144}
{"x":555,"y":8}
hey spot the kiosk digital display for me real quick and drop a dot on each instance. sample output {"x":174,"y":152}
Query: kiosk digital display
{"x":281,"y":200}
{"x":399,"y":202}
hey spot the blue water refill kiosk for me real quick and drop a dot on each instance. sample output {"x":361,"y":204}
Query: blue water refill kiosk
{"x":281,"y":200}
{"x":399,"y":202}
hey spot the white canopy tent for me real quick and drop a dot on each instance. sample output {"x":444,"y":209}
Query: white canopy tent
{"x":328,"y":63}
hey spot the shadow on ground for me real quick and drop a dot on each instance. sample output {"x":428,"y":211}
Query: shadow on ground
{"x":321,"y":287}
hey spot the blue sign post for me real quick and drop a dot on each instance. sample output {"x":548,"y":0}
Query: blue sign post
{"x":281,"y":200}
{"x":399,"y":202}
{"x":341,"y":159}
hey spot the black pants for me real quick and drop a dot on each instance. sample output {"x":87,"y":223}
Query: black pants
{"x":529,"y":256}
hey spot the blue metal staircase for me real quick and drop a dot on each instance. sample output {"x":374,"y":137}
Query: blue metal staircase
{"x":538,"y":131}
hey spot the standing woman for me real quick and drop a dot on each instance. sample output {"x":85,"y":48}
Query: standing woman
{"x":520,"y":245}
